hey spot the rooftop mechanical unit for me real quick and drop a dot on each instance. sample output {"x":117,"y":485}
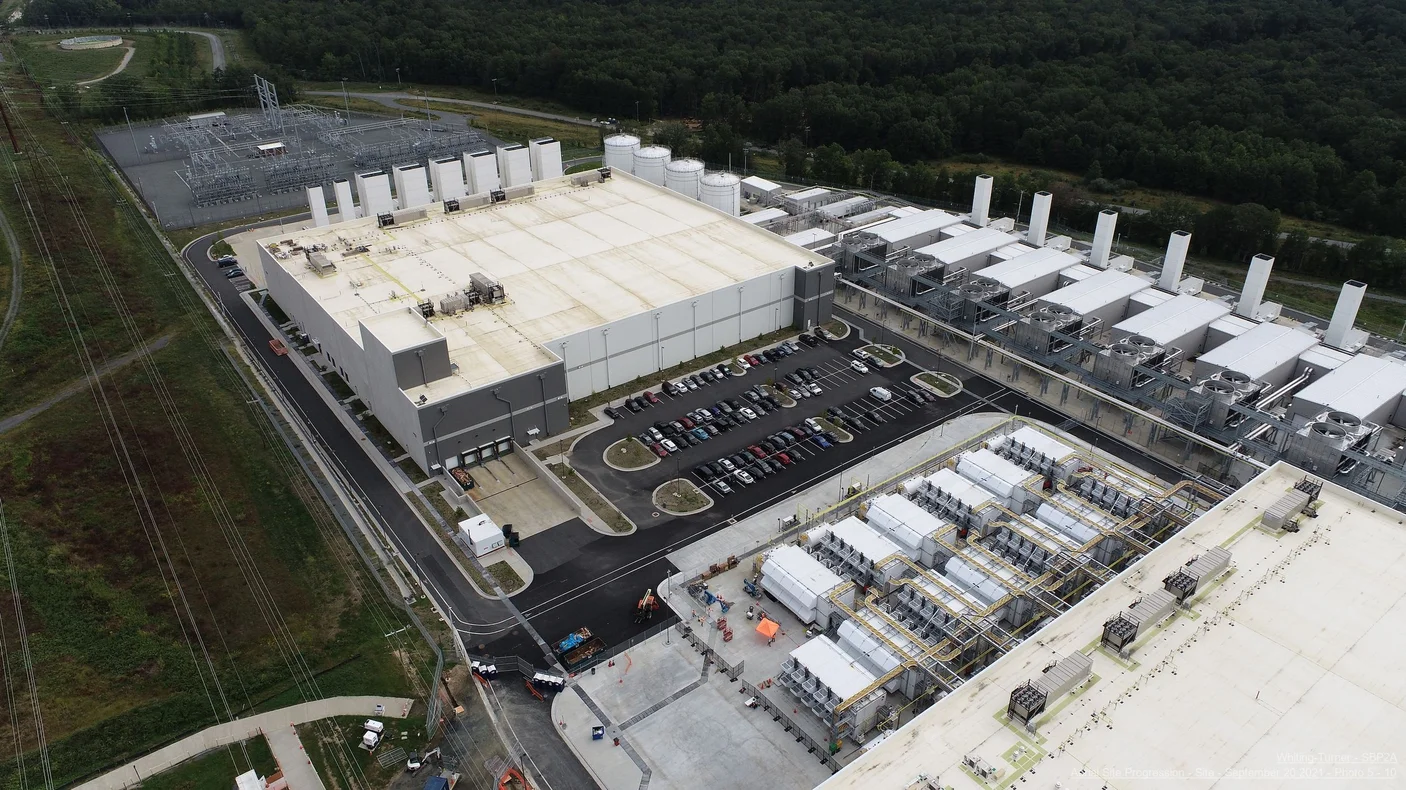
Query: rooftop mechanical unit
{"x":1197,"y":573}
{"x":488,"y":289}
{"x":902,"y":273}
{"x":861,"y":251}
{"x":1032,"y":697}
{"x":1118,"y":364}
{"x":1320,"y":445}
{"x":1219,"y":392}
{"x":1037,"y":332}
{"x":1122,"y":630}
{"x":978,"y":295}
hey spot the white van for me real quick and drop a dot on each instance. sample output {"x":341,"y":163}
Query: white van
{"x":881,"y":393}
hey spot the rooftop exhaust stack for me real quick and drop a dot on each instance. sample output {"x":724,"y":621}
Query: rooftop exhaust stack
{"x":1103,"y":239}
{"x":317,"y":204}
{"x":981,"y":201}
{"x":1345,"y":314}
{"x":1039,"y":218}
{"x":1175,"y":259}
{"x":1255,"y":282}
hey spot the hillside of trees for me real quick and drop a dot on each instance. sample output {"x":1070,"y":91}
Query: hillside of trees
{"x":1291,"y":104}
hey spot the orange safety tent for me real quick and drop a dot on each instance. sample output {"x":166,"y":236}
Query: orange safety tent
{"x":768,"y":628}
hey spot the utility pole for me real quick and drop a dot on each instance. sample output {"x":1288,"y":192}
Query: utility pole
{"x":346,"y":102}
{"x":495,"y":89}
{"x":129,"y":131}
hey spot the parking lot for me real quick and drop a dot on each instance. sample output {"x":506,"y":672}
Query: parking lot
{"x":771,"y":464}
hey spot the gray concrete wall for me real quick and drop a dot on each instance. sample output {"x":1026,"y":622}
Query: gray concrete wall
{"x":538,"y":400}
{"x":814,"y":295}
{"x":415,"y":367}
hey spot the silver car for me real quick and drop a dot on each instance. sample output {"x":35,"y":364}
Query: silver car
{"x":744,"y":477}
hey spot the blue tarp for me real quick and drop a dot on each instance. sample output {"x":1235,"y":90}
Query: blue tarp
{"x":570,"y":642}
{"x":437,"y":783}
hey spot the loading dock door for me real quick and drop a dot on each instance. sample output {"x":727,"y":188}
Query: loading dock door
{"x":504,"y":447}
{"x":470,"y":457}
{"x":486,"y":453}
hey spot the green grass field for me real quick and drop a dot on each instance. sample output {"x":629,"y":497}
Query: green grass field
{"x":216,"y":769}
{"x":53,"y":66}
{"x":119,"y":648}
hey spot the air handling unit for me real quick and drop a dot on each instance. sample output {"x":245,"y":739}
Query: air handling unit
{"x":1123,"y":630}
{"x":1033,"y":697}
{"x":1197,"y":574}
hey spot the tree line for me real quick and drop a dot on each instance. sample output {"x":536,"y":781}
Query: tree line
{"x":1294,"y":105}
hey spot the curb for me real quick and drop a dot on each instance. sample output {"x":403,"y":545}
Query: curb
{"x":605,"y":456}
{"x":655,"y":493}
{"x":948,"y":377}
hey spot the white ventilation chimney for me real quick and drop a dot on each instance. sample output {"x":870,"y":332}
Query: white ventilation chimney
{"x":1345,"y":314}
{"x":1039,"y":218}
{"x":346,"y":209}
{"x":1175,"y":259}
{"x":1255,"y":282}
{"x":317,"y":204}
{"x":981,"y":201}
{"x":1103,"y":239}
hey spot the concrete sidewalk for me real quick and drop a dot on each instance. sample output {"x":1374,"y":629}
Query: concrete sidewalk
{"x":277,"y":725}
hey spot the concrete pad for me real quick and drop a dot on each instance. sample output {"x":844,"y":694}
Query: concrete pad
{"x":707,"y":739}
{"x":292,"y":759}
{"x":531,"y":506}
{"x":609,"y":764}
{"x":640,"y":677}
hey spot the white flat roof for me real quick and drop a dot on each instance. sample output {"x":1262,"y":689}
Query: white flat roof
{"x":905,"y":228}
{"x":803,"y":568}
{"x":1260,"y":350}
{"x":843,"y":674}
{"x":1099,"y":290}
{"x":1031,"y":266}
{"x":862,"y":537}
{"x":1174,"y":318}
{"x":1359,"y":386}
{"x":964,"y":490}
{"x":809,"y":236}
{"x":761,"y":184}
{"x":1040,"y":441}
{"x":569,"y":258}
{"x":766,"y":214}
{"x":1233,"y":325}
{"x":1322,"y":358}
{"x":1291,"y":666}
{"x":806,"y":194}
{"x":967,"y":245}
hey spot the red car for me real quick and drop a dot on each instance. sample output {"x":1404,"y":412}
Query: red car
{"x":784,"y":459}
{"x":687,"y":423}
{"x":757,"y":451}
{"x":755,"y":360}
{"x":659,"y":450}
{"x":651,"y":397}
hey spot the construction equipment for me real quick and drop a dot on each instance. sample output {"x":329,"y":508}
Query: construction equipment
{"x":752,"y":588}
{"x":646,"y":607}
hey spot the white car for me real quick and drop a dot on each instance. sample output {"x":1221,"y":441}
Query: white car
{"x":814,"y":388}
{"x":742,"y":363}
{"x":859,"y":367}
{"x":813,"y":425}
{"x":797,"y":394}
{"x":689,"y":383}
{"x":748,"y":413}
{"x":670,"y":446}
{"x":881,"y":393}
{"x":726,"y":464}
{"x":723,"y":487}
{"x":744,"y":477}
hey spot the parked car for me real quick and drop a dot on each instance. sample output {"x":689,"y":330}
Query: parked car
{"x":797,"y":394}
{"x":701,"y":434}
{"x":823,"y":442}
{"x":875,"y":416}
{"x":690,"y":439}
{"x":727,"y":465}
{"x":632,"y":406}
{"x":824,"y":334}
{"x":742,"y":362}
{"x":723,"y":487}
{"x":657,"y":434}
{"x":686,"y":424}
{"x":812,"y":424}
{"x":881,"y":393}
{"x":659,"y":450}
{"x":651,"y":397}
{"x":227,"y":261}
{"x":612,"y":412}
{"x":810,"y":340}
{"x":745,"y":477}
{"x":641,"y":402}
{"x":703,"y":472}
{"x":689,"y":382}
{"x":859,"y":367}
{"x":814,"y":389}
{"x":773,"y":464}
{"x":233,"y":273}
{"x":711,"y":430}
{"x":748,"y":413}
{"x":756,"y":451}
{"x":784,"y":459}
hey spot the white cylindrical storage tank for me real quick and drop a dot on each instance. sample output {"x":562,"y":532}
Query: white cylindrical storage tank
{"x":650,"y":162}
{"x":620,"y":152}
{"x":683,"y":175}
{"x":722,"y":191}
